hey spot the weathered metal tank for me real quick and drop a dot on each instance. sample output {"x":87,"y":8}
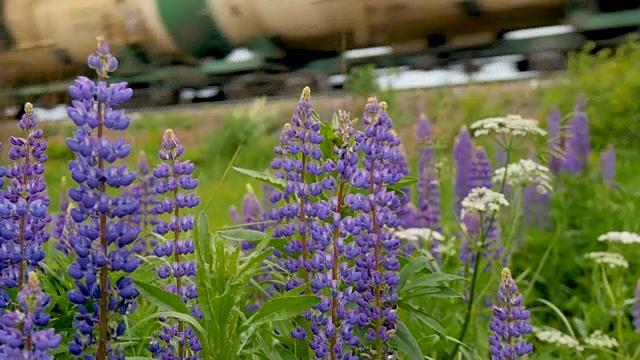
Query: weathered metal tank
{"x":46,"y":40}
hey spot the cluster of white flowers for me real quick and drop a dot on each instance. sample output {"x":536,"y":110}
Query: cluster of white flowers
{"x":623,"y":237}
{"x":608,"y":258}
{"x":526,"y":172}
{"x":482,"y":200}
{"x":600,"y":340}
{"x":513,"y":125}
{"x":417,"y":234}
{"x":556,"y":337}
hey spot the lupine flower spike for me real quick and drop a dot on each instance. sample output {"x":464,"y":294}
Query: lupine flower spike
{"x":173,"y":177}
{"x":555,"y":143}
{"x":144,"y":217}
{"x":104,"y":237}
{"x":19,"y":338}
{"x":510,"y":323}
{"x":463,"y":154}
{"x":63,"y":224}
{"x":428,"y":183}
{"x":578,"y":143}
{"x":608,"y":165}
{"x":26,"y":205}
{"x":636,"y":309}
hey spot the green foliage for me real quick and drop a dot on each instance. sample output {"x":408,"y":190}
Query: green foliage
{"x":362,"y":81}
{"x":610,"y":81}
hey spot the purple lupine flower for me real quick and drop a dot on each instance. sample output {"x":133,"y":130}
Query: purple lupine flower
{"x":267,"y":190}
{"x":19,"y":334}
{"x":428,"y":183}
{"x":608,"y":165}
{"x":144,"y":217}
{"x":377,"y":246}
{"x":481,"y":175}
{"x":173,"y":177}
{"x":407,"y":212}
{"x":510,"y":323}
{"x":555,"y":143}
{"x":578,"y":142}
{"x":463,"y":154}
{"x":103,"y":238}
{"x":299,"y":157}
{"x":252,"y":213}
{"x":26,"y":204}
{"x":636,"y":309}
{"x":63,"y":224}
{"x":234,"y":215}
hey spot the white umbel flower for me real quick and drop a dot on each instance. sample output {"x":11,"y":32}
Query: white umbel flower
{"x":623,"y":237}
{"x":513,"y":125}
{"x":482,"y":200}
{"x":417,"y":234}
{"x":556,"y":337}
{"x":525,"y":172}
{"x":614,"y":260}
{"x":600,"y":340}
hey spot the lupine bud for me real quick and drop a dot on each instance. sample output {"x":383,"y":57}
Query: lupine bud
{"x":175,"y":179}
{"x":510,"y":322}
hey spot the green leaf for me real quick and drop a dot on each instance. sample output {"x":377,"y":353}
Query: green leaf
{"x":242,"y":235}
{"x":442,"y":292}
{"x":413,"y":266}
{"x":406,"y":181}
{"x":432,"y":279}
{"x":263,"y":176}
{"x":195,"y":324}
{"x":426,"y":319}
{"x":404,"y":341}
{"x":282,"y":308}
{"x":162,"y":298}
{"x":280,"y":353}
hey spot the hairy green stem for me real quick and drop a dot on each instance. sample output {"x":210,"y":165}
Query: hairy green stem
{"x":474,"y":279}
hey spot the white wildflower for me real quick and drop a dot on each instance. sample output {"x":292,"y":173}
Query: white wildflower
{"x":417,"y":234}
{"x":481,"y":200}
{"x":557,"y":337}
{"x":600,"y":340}
{"x":513,"y":125}
{"x":608,"y":258}
{"x":526,"y":172}
{"x":623,"y":237}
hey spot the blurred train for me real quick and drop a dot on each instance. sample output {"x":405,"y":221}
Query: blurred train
{"x":165,"y":46}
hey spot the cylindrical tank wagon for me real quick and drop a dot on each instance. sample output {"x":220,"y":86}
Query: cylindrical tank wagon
{"x":173,"y":44}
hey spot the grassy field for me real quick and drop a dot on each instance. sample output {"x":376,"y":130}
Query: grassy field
{"x":212,"y":134}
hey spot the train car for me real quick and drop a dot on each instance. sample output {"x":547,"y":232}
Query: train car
{"x":167,"y":45}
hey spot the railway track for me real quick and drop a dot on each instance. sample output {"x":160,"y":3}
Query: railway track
{"x":539,"y":78}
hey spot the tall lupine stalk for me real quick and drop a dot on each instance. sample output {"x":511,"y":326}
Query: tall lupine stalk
{"x":463,"y":155}
{"x":144,"y":217}
{"x":407,"y":212}
{"x":555,"y":142}
{"x":19,"y":334}
{"x":380,"y":266}
{"x":510,"y":322}
{"x":102,"y":242}
{"x":480,"y":176}
{"x":252,"y":213}
{"x":608,"y":165}
{"x":298,"y":158}
{"x":636,"y":309}
{"x":26,"y":205}
{"x":173,"y":177}
{"x":428,"y":182}
{"x":578,"y":142}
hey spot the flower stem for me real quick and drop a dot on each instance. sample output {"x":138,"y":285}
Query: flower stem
{"x":378,"y":260}
{"x":474,"y":279}
{"x":176,"y":259}
{"x":335,"y":274}
{"x":104,"y":270}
